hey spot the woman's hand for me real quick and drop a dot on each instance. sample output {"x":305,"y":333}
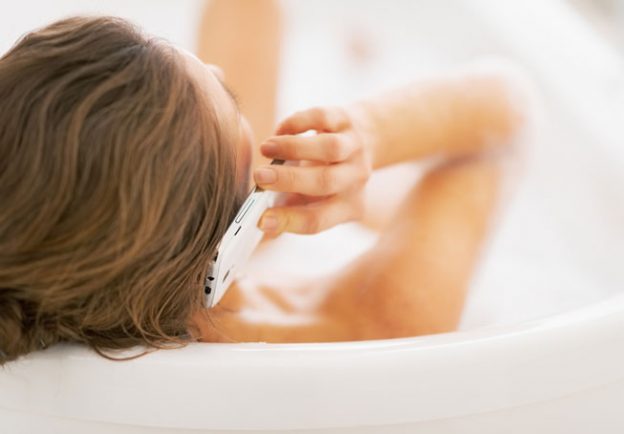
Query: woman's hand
{"x":325,"y":174}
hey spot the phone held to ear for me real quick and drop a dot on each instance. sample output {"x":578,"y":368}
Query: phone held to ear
{"x":238,"y":243}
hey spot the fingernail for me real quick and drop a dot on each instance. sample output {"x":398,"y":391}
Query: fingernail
{"x":269,"y":223}
{"x":268,"y":148}
{"x":265,"y":176}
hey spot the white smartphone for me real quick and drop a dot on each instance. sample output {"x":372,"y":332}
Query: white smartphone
{"x":238,"y":243}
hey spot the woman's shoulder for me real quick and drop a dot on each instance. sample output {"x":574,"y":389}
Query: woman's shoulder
{"x":258,"y":312}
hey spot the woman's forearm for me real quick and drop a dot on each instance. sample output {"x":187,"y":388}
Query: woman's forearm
{"x":449,"y":117}
{"x":476,"y":112}
{"x":244,"y":38}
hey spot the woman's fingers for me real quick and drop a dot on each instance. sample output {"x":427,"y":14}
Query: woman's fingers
{"x":325,"y":188}
{"x":320,"y":119}
{"x":320,"y":180}
{"x":315,"y":217}
{"x":328,"y":148}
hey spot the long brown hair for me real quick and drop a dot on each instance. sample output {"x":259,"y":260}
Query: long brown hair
{"x":116,"y":184}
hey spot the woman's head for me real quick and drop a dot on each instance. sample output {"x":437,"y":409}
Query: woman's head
{"x":118,"y":177}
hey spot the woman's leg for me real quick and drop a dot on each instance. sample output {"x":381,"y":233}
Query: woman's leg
{"x":243,"y":37}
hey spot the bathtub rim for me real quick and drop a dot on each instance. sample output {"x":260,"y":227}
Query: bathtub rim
{"x":559,"y":345}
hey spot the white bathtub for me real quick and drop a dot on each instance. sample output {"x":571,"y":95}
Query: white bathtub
{"x":541,"y":348}
{"x":563,"y":374}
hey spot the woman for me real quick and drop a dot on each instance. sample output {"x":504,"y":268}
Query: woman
{"x":123,"y":160}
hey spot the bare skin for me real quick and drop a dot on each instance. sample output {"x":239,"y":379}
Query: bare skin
{"x":414,"y":280}
{"x":244,"y":37}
